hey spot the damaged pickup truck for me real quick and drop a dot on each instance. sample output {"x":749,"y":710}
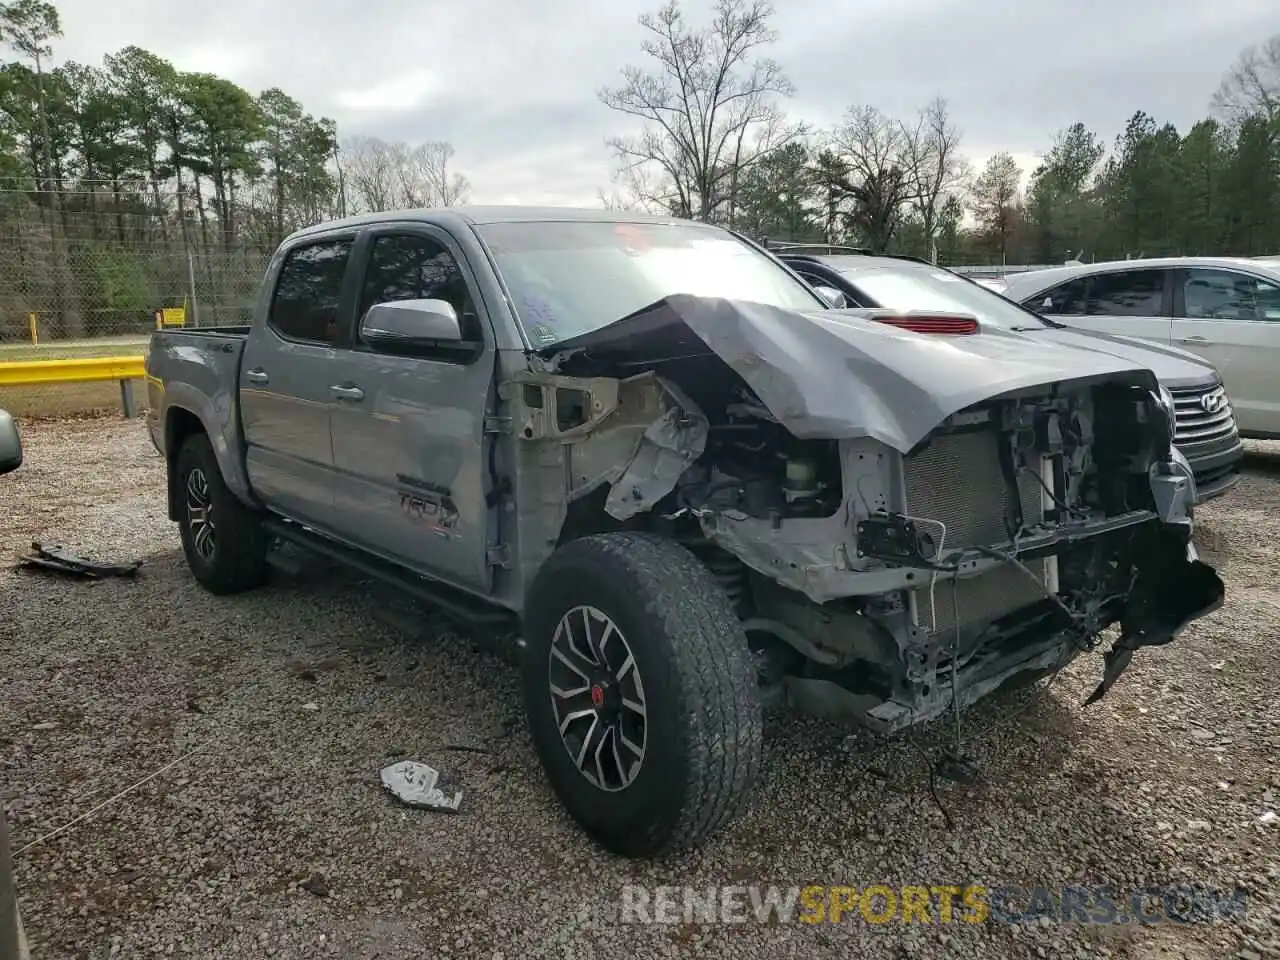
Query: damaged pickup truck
{"x":649,"y":455}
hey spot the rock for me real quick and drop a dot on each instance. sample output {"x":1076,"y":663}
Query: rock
{"x":1164,"y":826}
{"x":311,"y":707}
{"x":316,"y":885}
{"x":1199,"y":826}
{"x":1269,"y":818}
{"x":1199,"y":734}
{"x":47,"y":725}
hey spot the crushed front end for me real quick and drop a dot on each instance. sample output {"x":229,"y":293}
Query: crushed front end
{"x":904,"y":525}
{"x":892,"y":588}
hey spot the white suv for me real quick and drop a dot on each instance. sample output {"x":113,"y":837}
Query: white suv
{"x":1224,"y":309}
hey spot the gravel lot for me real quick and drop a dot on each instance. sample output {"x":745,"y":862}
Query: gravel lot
{"x":276,"y":839}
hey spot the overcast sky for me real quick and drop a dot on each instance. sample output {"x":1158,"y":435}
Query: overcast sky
{"x":512,"y":83}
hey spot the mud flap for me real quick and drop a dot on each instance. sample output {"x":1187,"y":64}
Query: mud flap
{"x":1183,"y":593}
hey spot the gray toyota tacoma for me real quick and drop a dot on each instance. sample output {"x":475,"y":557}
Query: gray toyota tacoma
{"x":653,"y":459}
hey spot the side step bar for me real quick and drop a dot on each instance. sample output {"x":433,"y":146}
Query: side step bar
{"x":455,"y":603}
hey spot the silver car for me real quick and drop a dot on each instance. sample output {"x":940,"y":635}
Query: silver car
{"x":1224,"y":309}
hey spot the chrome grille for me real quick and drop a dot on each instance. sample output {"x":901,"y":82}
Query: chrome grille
{"x":1193,"y":423}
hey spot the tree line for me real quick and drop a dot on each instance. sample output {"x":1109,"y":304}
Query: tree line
{"x":132,"y":182}
{"x":717,"y":144}
{"x":126,"y":183}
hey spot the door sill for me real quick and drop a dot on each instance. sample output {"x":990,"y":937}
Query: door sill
{"x":457,"y":604}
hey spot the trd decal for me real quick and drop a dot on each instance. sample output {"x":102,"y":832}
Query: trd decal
{"x":429,"y":504}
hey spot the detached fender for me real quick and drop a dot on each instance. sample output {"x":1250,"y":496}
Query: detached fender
{"x":188,"y":410}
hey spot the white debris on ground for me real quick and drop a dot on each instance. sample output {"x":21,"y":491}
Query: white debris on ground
{"x":420,"y":785}
{"x":280,"y":840}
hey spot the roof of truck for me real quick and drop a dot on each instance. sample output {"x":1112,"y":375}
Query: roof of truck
{"x":490,"y":214}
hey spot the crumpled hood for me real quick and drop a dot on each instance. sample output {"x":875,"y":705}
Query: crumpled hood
{"x":832,"y":375}
{"x":1174,"y":367}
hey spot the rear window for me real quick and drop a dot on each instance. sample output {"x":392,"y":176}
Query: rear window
{"x":913,"y":286}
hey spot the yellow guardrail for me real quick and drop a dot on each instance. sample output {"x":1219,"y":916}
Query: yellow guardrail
{"x":21,"y":373}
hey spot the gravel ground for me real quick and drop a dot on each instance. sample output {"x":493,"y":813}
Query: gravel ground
{"x":276,"y":839}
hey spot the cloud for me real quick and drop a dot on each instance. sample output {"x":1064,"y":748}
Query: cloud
{"x":513,"y":85}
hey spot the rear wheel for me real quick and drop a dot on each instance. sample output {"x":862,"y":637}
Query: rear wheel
{"x":641,"y":693}
{"x":224,"y":541}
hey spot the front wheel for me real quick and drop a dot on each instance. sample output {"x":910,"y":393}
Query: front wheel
{"x":223,"y":539}
{"x":641,"y":693}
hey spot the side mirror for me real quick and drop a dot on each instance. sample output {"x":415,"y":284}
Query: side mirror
{"x":10,"y":444}
{"x":832,"y":296}
{"x":402,"y":324}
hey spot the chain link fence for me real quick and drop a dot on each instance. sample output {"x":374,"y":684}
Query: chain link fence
{"x":90,"y":272}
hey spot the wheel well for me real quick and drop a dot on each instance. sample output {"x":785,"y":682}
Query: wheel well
{"x":178,"y":426}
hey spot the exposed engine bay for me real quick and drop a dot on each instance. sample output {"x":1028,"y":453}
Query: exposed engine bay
{"x":884,"y":570}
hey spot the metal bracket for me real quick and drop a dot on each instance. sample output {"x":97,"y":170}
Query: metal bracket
{"x":497,"y":424}
{"x":498,"y":556}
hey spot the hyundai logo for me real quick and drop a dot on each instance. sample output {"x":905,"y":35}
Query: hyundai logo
{"x":1212,"y":402}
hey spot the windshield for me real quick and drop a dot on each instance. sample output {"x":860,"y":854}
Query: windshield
{"x":904,"y":285}
{"x":570,"y":278}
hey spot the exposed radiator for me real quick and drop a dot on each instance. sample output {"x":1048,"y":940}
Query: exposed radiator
{"x":957,"y":480}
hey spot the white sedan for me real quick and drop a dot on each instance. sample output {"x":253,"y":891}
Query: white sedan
{"x":1224,"y":309}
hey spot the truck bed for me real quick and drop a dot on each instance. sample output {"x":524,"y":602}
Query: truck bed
{"x":199,"y":371}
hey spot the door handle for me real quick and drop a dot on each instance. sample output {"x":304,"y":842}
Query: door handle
{"x":257,"y":375}
{"x":1194,"y":339}
{"x":346,"y":393}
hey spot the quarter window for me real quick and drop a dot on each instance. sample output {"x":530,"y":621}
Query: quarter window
{"x":1067,"y":298}
{"x":307,"y":294}
{"x":1225,"y":295}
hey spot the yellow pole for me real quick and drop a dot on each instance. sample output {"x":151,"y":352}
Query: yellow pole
{"x":31,"y":323}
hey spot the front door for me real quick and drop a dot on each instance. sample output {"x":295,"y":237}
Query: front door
{"x":1128,"y":303}
{"x":408,"y":431}
{"x":1233,"y":320}
{"x":284,"y":383}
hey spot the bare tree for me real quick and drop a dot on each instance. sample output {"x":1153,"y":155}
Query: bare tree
{"x":400,"y":176}
{"x":873,"y":148}
{"x":1251,"y":88}
{"x":710,"y":106}
{"x":933,"y":165}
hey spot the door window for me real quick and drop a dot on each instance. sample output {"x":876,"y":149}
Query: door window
{"x":1131,"y":293}
{"x":1225,"y":295}
{"x":305,"y":303}
{"x":414,"y":267}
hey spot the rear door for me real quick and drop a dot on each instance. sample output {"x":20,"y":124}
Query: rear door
{"x":285,"y":376}
{"x":1131,"y":303}
{"x":1232,"y":319}
{"x":408,"y":431}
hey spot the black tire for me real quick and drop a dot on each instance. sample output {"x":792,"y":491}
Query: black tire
{"x":703,"y":726}
{"x":234,"y":557}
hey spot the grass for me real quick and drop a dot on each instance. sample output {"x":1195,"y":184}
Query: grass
{"x":122,"y":346}
{"x":64,"y":399}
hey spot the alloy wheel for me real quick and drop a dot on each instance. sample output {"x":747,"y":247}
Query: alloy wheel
{"x":200,"y":514}
{"x":597,"y":697}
